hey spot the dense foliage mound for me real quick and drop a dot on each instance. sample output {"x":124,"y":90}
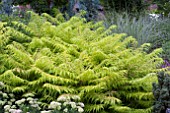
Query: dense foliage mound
{"x":49,"y":57}
{"x":161,"y":93}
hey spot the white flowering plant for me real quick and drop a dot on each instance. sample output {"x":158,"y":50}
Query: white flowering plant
{"x":24,"y":105}
{"x":67,"y":104}
{"x":28,"y":104}
{"x":9,"y":103}
{"x":3,"y":98}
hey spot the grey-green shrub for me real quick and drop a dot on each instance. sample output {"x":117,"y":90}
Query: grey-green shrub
{"x":140,"y":28}
{"x":143,"y":28}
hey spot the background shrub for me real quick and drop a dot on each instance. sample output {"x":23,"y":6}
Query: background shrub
{"x":163,"y":7}
{"x":144,"y":28}
{"x":125,"y":5}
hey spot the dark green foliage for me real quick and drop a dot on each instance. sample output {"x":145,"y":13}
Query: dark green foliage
{"x":163,"y":6}
{"x":161,"y":93}
{"x":125,"y":5}
{"x":166,"y":48}
{"x":71,"y":7}
{"x":40,"y":6}
{"x":164,"y":38}
{"x":92,"y":8}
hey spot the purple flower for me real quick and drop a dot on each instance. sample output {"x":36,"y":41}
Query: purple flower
{"x":166,"y":64}
{"x":153,"y":7}
{"x":168,"y":110}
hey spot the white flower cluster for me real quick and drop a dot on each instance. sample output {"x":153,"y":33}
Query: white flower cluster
{"x":4,"y":95}
{"x":15,"y":8}
{"x":80,"y":104}
{"x":15,"y":111}
{"x":80,"y":109}
{"x":65,"y":104}
{"x":155,"y":16}
{"x":1,"y":84}
{"x":19,"y":102}
{"x":55,"y":105}
{"x":45,"y":111}
{"x":33,"y":102}
{"x":76,"y":97}
{"x":63,"y":98}
{"x":9,"y":107}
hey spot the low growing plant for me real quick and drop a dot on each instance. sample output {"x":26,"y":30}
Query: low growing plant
{"x":64,"y":103}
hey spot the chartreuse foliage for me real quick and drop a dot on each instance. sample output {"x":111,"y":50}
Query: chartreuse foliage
{"x":107,"y":70}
